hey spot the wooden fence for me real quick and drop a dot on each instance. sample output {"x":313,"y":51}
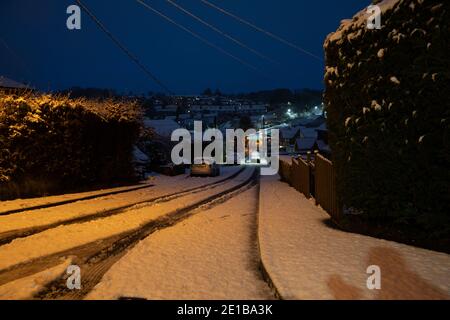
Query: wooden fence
{"x":325,"y":187}
{"x":285,"y":171}
{"x":314,"y":179}
{"x":301,"y":176}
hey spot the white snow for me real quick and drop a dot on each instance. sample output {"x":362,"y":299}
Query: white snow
{"x":37,"y":218}
{"x":8,"y":83}
{"x":395,"y":80}
{"x":286,"y":158}
{"x":23,"y":204}
{"x":139,"y":156}
{"x":163,"y":127}
{"x":349,"y":25}
{"x":27,"y":287}
{"x":212,"y":255}
{"x":66,"y":237}
{"x":308,"y":259}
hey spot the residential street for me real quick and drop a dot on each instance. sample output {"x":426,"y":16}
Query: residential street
{"x":212,"y":255}
{"x":236,"y":236}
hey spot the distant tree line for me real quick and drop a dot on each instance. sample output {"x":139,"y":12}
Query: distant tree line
{"x":301,"y":97}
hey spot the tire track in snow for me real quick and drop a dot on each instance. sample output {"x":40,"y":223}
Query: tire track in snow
{"x":212,"y":255}
{"x":63,"y":202}
{"x":7,"y":237}
{"x":96,"y":265}
{"x":99,"y":251}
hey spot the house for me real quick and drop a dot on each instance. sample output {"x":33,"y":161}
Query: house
{"x":304,"y":145}
{"x":163,"y":128}
{"x":322,"y":133}
{"x":324,"y":148}
{"x":317,"y":122}
{"x":9,"y":86}
{"x":308,"y":132}
{"x":288,"y":135}
{"x":169,"y":109}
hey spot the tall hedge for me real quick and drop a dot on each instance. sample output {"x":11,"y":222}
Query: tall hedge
{"x":52,"y":144}
{"x":388,"y":105}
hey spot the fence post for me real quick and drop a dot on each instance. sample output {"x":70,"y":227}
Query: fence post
{"x":316,"y":182}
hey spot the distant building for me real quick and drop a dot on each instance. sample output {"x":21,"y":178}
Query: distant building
{"x":9,"y":86}
{"x":289,"y":135}
{"x":308,"y":132}
{"x":163,"y":128}
{"x":169,"y":109}
{"x":322,"y":133}
{"x":229,"y":108}
{"x":304,"y":145}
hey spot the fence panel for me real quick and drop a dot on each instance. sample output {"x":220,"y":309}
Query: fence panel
{"x":285,"y":171}
{"x":300,"y":172}
{"x":325,"y":187}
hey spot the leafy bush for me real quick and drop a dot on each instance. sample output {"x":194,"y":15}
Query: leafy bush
{"x":51,"y":143}
{"x":387,"y":97}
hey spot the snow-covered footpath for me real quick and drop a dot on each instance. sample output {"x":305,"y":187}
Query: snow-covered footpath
{"x":212,"y":255}
{"x":307,"y":259}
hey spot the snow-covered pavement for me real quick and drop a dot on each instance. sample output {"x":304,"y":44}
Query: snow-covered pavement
{"x":212,"y":255}
{"x":307,"y":259}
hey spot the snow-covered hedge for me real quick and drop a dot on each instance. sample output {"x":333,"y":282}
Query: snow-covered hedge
{"x":388,"y":105}
{"x":52,"y":143}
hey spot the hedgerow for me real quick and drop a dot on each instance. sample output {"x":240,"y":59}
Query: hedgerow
{"x":52,"y":143}
{"x":388,"y":105}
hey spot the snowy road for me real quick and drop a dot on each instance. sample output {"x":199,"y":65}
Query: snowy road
{"x":213,"y":255}
{"x":193,"y":238}
{"x":41,"y":242}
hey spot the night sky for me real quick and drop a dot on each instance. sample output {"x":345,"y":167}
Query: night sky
{"x":37,"y":48}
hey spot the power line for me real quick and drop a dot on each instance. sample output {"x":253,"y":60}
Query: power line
{"x":226,"y":35}
{"x":267,"y":33}
{"x":198,"y":36}
{"x":123,"y":48}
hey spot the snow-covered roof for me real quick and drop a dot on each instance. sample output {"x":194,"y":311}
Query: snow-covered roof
{"x":308,"y":132}
{"x":184,"y":116}
{"x":322,"y":127}
{"x":305,"y":143}
{"x":316,"y":122}
{"x":8,"y":83}
{"x":289,"y":133}
{"x":226,"y":125}
{"x":163,"y":127}
{"x":323,"y":146}
{"x":139,"y":156}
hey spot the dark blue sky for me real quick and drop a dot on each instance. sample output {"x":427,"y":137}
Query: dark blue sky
{"x":36,"y":47}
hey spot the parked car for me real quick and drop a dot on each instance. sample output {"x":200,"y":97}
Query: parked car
{"x":206,"y":168}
